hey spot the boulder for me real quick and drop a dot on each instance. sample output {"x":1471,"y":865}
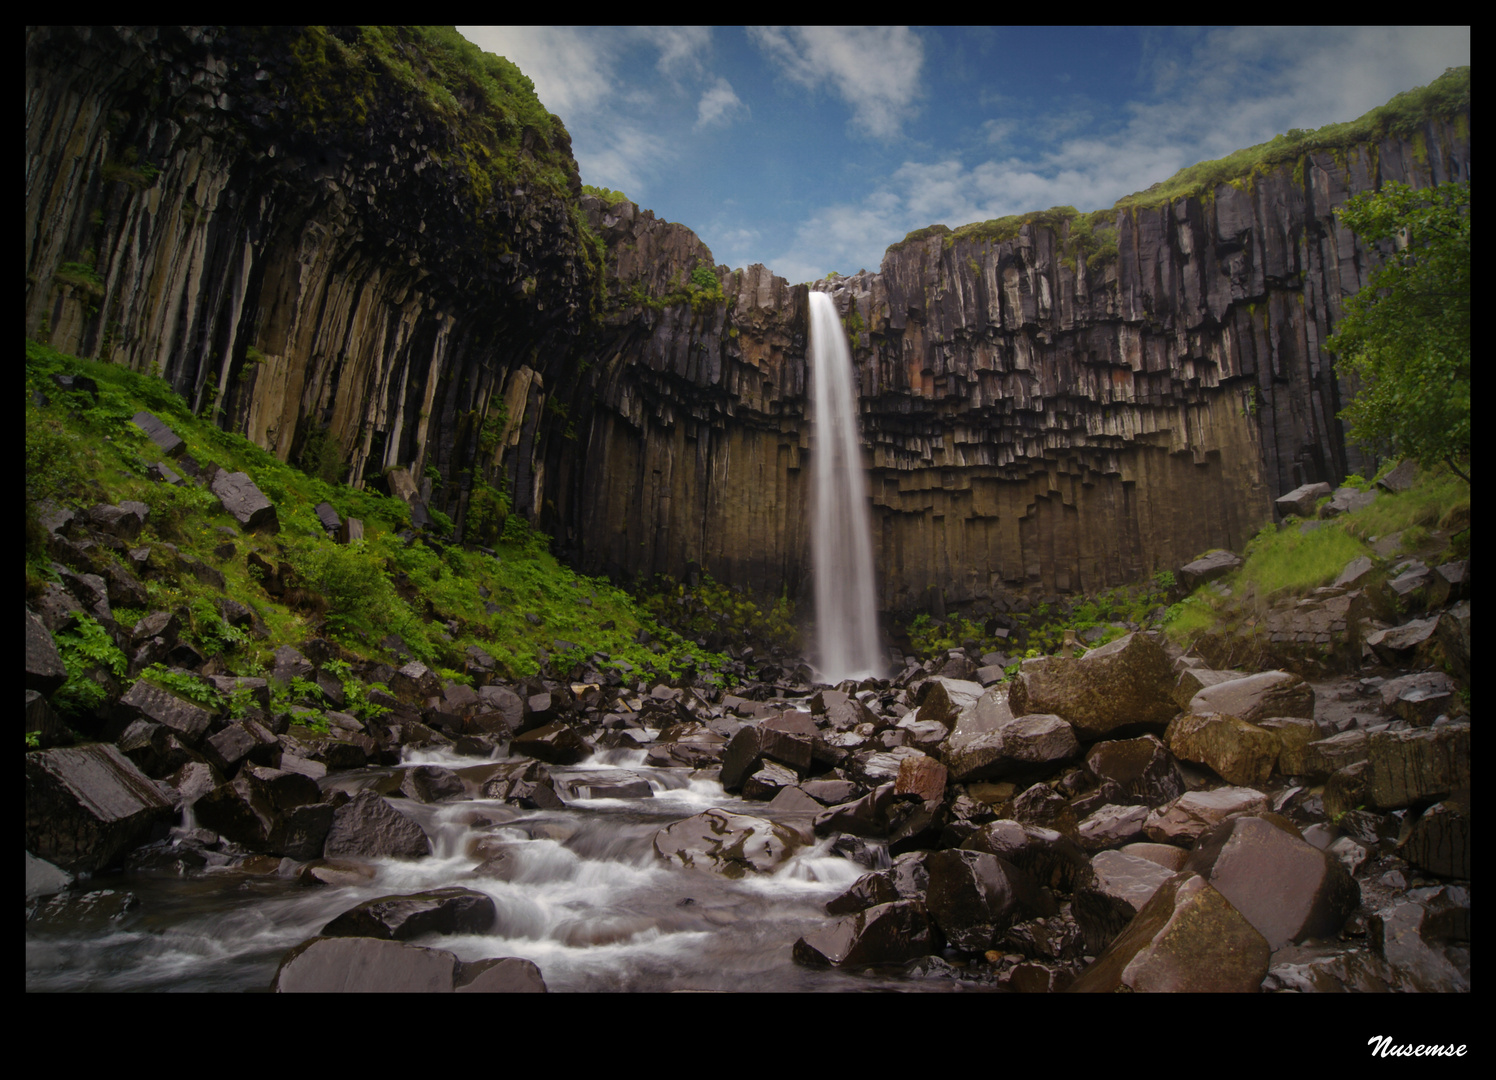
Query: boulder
{"x":1412,"y":768}
{"x":87,"y":806}
{"x":1111,"y":826}
{"x":1121,"y":886}
{"x":1400,"y":645}
{"x":366,"y":826}
{"x":1143,"y":768}
{"x":1421,"y":697}
{"x":1051,"y":858}
{"x":943,"y":699}
{"x":1300,"y":501}
{"x":273,"y":811}
{"x":1187,"y":938}
{"x":1238,"y":752}
{"x":500,"y":975}
{"x":1438,"y":840}
{"x":1411,"y":936}
{"x":431,"y":783}
{"x":1213,"y":564}
{"x":1127,"y":682}
{"x":1252,"y":697}
{"x":865,"y":817}
{"x":1195,"y":813}
{"x":1018,"y":744}
{"x":364,"y":965}
{"x":556,"y":744}
{"x":1286,"y":888}
{"x":1400,"y":477}
{"x":45,"y":671}
{"x":974,"y":896}
{"x":188,"y":719}
{"x":452,"y":910}
{"x":891,"y":933}
{"x":1323,"y":757}
{"x":1294,"y":733}
{"x":169,"y":442}
{"x":248,"y":505}
{"x":527,"y":784}
{"x":728,"y":844}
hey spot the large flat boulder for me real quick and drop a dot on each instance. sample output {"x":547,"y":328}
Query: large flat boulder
{"x":363,"y":965}
{"x":1127,"y":682}
{"x":367,"y":826}
{"x":87,"y":806}
{"x":1285,"y":887}
{"x":1238,"y":752}
{"x":1187,"y":938}
{"x":728,"y":844}
{"x":246,"y":502}
{"x":453,"y":910}
{"x":1253,"y":697}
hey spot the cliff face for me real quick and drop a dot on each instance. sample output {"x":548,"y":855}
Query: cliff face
{"x":293,"y":237}
{"x":304,"y":231}
{"x":1032,"y":424}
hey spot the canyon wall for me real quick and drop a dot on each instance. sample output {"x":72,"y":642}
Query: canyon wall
{"x":309,"y":240}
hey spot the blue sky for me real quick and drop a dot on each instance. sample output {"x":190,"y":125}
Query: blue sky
{"x":811,"y":149}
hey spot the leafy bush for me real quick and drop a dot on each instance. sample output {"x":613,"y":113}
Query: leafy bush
{"x":85,"y":645}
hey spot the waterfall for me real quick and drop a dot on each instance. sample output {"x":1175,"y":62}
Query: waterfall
{"x":841,"y":530}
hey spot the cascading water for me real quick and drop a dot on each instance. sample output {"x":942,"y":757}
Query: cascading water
{"x":841,"y":532}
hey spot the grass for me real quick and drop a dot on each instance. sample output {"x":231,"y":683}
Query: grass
{"x":81,"y":452}
{"x":1283,"y":561}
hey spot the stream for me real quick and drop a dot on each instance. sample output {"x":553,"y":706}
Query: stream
{"x":580,"y":892}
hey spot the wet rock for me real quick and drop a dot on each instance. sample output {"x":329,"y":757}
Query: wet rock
{"x":555,"y":743}
{"x":1187,"y":938}
{"x":1192,"y":680}
{"x":1400,"y":645}
{"x":1239,"y":752}
{"x":1111,"y":826}
{"x":431,"y":783}
{"x":364,"y":965}
{"x":527,"y":784}
{"x":865,"y":817}
{"x":1143,"y":768}
{"x":869,"y":890}
{"x":728,"y":844}
{"x":973,"y":896}
{"x":368,"y":827}
{"x":44,"y":879}
{"x":1294,"y":733}
{"x":187,"y":719}
{"x":1325,"y":756}
{"x":1122,"y":885}
{"x":1438,"y":840}
{"x":87,"y":806}
{"x":943,"y":699}
{"x":1254,"y":697}
{"x":1042,"y":805}
{"x":500,"y":975}
{"x":693,"y":745}
{"x":1127,"y":682}
{"x":239,"y":742}
{"x":753,"y":744}
{"x":1329,"y":971}
{"x":1408,"y":768}
{"x":452,"y":910}
{"x":340,"y":873}
{"x":1407,"y":934}
{"x":769,"y":780}
{"x":1286,"y":888}
{"x":45,"y":671}
{"x":1194,"y":813}
{"x":1420,"y":698}
{"x":269,"y":810}
{"x":885,"y":934}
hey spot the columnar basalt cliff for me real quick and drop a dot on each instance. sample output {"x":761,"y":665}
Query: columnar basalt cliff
{"x":308,"y":232}
{"x":1033,"y":423}
{"x":295,"y":236}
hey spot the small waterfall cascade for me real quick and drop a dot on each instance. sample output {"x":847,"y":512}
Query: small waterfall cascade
{"x":841,"y":526}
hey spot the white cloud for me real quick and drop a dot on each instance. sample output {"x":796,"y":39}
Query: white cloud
{"x":719,"y":106}
{"x":571,"y":67}
{"x":875,"y":70}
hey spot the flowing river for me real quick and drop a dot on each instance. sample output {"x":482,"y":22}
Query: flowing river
{"x":581,"y":893}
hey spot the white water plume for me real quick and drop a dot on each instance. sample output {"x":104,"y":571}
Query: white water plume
{"x":841,"y":529}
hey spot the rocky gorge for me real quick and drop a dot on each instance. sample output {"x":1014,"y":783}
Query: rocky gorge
{"x":379,"y":264}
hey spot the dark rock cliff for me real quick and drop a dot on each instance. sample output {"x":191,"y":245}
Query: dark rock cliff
{"x":294,"y":236}
{"x":1033,"y":424}
{"x":300,"y":230}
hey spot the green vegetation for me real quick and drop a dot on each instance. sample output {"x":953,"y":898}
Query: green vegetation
{"x":1285,"y":561}
{"x":1406,"y":335}
{"x":520,"y":605}
{"x":607,"y":195}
